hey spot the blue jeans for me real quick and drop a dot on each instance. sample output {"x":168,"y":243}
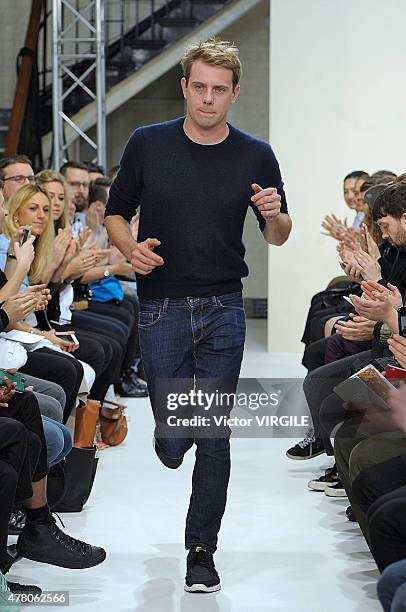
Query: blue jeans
{"x":58,"y":439}
{"x":392,"y":587}
{"x":194,"y":343}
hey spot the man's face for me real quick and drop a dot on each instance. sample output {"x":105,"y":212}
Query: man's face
{"x":209,"y":94}
{"x":15,"y":176}
{"x":393,"y":229}
{"x":3,"y":211}
{"x":349,"y":194}
{"x":78,"y":180}
{"x":359,"y":202}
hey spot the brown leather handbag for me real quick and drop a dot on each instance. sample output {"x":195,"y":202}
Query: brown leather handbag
{"x":113,"y":424}
{"x":85,"y":423}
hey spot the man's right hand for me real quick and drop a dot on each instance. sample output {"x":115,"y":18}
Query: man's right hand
{"x":143,"y":258}
{"x":24,"y":253}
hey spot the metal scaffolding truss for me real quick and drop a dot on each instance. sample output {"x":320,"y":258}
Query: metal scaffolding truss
{"x":78,"y":38}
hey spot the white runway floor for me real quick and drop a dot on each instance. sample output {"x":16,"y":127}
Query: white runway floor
{"x":281,"y":548}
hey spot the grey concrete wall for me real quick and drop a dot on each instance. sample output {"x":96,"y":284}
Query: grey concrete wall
{"x":251,"y":114}
{"x":15,"y":14}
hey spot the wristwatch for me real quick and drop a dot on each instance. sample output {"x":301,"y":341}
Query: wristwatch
{"x":106,"y":273}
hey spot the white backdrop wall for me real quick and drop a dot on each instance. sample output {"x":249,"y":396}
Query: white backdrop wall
{"x":337,"y":103}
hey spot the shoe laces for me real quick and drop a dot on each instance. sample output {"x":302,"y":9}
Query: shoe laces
{"x":308,"y":439}
{"x":68,"y":541}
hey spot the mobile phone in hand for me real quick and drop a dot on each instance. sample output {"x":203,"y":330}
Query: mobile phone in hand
{"x":348,"y":300}
{"x":68,"y":336}
{"x":402,"y":321}
{"x":13,"y":378}
{"x":27,"y":229}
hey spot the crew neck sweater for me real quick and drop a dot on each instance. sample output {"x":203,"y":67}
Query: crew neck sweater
{"x":194,"y":199}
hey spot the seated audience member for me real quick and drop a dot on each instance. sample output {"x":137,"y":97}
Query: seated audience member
{"x":95,"y":171}
{"x":41,"y":539}
{"x":30,"y":206}
{"x":58,"y":367}
{"x":98,"y":195}
{"x":16,"y":459}
{"x":331,"y":225}
{"x":77,"y":177}
{"x":15,"y":172}
{"x":320,"y":382}
{"x":119,"y":343}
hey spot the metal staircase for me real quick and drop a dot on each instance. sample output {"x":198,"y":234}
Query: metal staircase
{"x":143,"y":39}
{"x":133,"y":38}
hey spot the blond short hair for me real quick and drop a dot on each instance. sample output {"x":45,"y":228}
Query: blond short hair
{"x":214,"y":52}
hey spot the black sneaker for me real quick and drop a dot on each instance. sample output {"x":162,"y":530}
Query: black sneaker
{"x":48,"y":544}
{"x":168,"y":462}
{"x":131,"y":389}
{"x":16,"y":523}
{"x":330,"y":478}
{"x":335,"y":490}
{"x":349,"y":513}
{"x":15,"y":587}
{"x":201,"y":575}
{"x":308,"y":448}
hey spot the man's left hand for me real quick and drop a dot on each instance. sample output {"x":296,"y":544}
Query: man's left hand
{"x":267,"y":201}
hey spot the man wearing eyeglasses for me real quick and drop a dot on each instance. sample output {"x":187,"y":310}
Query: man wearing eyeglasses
{"x":15,"y":172}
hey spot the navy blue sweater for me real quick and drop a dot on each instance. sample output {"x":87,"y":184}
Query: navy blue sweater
{"x":194,"y":199}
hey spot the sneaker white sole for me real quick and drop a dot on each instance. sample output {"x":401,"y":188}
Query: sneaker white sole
{"x":202,"y":588}
{"x":318,"y":486}
{"x":304,"y":458}
{"x":335,"y":492}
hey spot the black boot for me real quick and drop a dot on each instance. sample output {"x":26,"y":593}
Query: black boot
{"x":46,"y":543}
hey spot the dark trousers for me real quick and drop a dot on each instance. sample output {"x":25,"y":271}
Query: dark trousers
{"x":113,"y":330}
{"x":183,"y":338}
{"x":127,"y":313}
{"x":62,"y":369}
{"x":319,"y":384}
{"x":102,"y":354}
{"x":314,"y":355}
{"x":20,"y":450}
{"x":387,"y":528}
{"x":357,"y":449}
{"x":23,"y":407}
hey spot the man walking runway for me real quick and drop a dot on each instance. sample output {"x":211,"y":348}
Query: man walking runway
{"x":194,"y":179}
